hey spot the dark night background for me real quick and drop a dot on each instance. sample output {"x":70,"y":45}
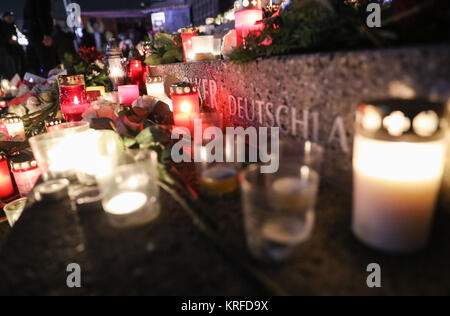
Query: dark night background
{"x":58,"y":6}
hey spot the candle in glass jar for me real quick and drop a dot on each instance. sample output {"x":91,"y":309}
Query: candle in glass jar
{"x":128,"y":94}
{"x":186,"y":37}
{"x":14,"y":126}
{"x":399,"y":156}
{"x":155,"y":87}
{"x":246,"y":19}
{"x":6,"y":185}
{"x":26,"y":173}
{"x":203,"y":48}
{"x":73,"y":97}
{"x":135,"y":72}
{"x":186,"y":103}
{"x":126,"y":203}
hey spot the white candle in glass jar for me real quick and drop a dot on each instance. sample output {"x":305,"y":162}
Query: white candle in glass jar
{"x":396,"y":186}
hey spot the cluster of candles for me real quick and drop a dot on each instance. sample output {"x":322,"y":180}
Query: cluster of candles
{"x":200,"y":48}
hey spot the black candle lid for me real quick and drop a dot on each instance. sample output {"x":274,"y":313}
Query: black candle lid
{"x":71,"y":80}
{"x":248,"y":4}
{"x":53,"y":122}
{"x":23,"y":161}
{"x":154,"y":79}
{"x":183,"y":88}
{"x":417,"y":120}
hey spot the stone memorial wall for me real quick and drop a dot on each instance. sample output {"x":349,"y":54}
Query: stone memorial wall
{"x":315,"y":96}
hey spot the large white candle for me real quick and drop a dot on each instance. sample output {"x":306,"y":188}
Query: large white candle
{"x":396,"y":185}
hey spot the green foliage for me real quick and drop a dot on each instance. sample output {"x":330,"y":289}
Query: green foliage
{"x":95,"y":73}
{"x":164,"y":49}
{"x":327,"y":25}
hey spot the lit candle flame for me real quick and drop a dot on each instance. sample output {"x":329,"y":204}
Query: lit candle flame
{"x":185,"y":107}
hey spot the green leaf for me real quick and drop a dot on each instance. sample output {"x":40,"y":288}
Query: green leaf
{"x":145,"y":137}
{"x":129,"y":142}
{"x":153,"y":60}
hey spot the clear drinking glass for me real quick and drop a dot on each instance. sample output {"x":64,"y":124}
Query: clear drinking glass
{"x":130,"y":194}
{"x":14,"y":210}
{"x":279,"y":208}
{"x":58,"y":153}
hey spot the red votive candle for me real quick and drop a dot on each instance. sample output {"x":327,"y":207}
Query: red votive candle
{"x":136,"y":73}
{"x":26,"y":173}
{"x":6,"y":186}
{"x":128,"y":94}
{"x":246,"y":20}
{"x":186,"y":103}
{"x":73,"y":97}
{"x":186,"y":38}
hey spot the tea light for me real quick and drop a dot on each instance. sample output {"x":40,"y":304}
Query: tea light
{"x":128,"y":94}
{"x":14,"y":126}
{"x":6,"y":186}
{"x":246,"y":18}
{"x":53,"y":125}
{"x":135,"y":73}
{"x":14,"y":210}
{"x":155,"y":87}
{"x":130,"y":194}
{"x":72,"y":97}
{"x":203,"y":48}
{"x":186,"y":103}
{"x":126,"y":203}
{"x":216,"y":178}
{"x":186,"y":37}
{"x":26,"y":173}
{"x":219,"y":180}
{"x":399,"y":157}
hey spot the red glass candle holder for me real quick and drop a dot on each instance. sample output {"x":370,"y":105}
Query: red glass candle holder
{"x":6,"y":185}
{"x":136,"y":73}
{"x":128,"y":94}
{"x":186,"y":103}
{"x":73,"y":97}
{"x":246,"y":22}
{"x":186,"y":38}
{"x":26,"y":173}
